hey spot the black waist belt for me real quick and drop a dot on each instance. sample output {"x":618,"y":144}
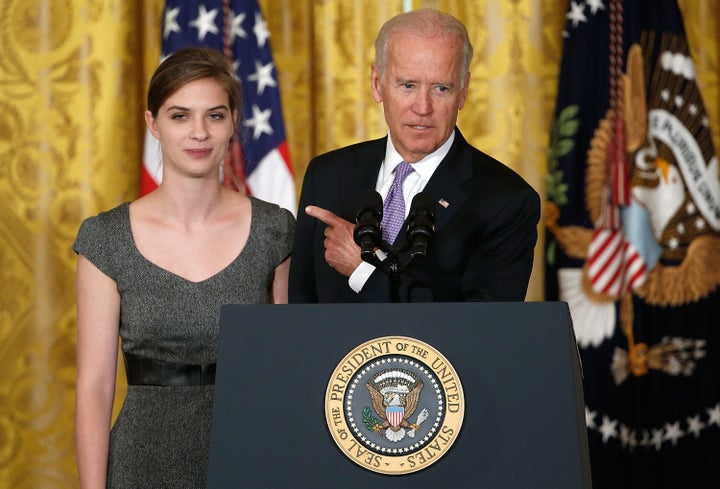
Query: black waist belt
{"x":150,"y":371}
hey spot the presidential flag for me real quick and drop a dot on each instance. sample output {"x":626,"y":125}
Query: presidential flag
{"x":634,"y":243}
{"x":258,"y":161}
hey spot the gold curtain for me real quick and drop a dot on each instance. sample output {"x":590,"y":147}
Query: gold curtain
{"x":72,"y":80}
{"x":71,"y":104}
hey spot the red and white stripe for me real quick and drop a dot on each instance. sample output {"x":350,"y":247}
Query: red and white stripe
{"x":614,"y":265}
{"x":151,"y":174}
{"x":272,"y":179}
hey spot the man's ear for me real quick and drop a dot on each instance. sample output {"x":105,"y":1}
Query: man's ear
{"x":375,"y":84}
{"x":464,"y":91}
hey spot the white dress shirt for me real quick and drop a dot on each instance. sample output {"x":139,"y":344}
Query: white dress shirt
{"x":414,"y":184}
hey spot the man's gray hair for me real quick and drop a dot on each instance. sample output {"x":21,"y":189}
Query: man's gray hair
{"x":424,"y":23}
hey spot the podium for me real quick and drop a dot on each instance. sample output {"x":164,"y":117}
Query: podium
{"x":524,"y":415}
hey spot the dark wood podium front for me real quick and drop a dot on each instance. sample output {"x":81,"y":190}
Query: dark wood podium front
{"x":524,"y":418}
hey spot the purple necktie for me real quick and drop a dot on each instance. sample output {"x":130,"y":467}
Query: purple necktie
{"x":394,"y":206}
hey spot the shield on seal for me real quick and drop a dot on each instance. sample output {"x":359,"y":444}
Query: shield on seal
{"x":395,"y":415}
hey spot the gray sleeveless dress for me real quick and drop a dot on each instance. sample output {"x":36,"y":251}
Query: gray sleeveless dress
{"x":161,"y":436}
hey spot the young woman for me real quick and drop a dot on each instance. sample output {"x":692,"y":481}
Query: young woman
{"x":155,"y":273}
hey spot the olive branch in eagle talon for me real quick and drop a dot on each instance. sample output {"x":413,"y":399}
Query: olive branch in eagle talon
{"x":370,"y":421}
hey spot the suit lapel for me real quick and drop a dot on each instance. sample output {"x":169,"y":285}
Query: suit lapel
{"x":364,"y":175}
{"x":445,"y":184}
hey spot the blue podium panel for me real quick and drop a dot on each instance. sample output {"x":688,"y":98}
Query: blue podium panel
{"x":524,"y":419}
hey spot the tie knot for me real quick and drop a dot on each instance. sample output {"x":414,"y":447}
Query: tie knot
{"x":402,"y":171}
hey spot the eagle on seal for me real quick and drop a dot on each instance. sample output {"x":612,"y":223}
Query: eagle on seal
{"x":395,"y":395}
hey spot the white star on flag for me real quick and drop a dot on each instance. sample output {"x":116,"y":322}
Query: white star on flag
{"x":261,"y":30}
{"x":714,"y":415}
{"x":205,"y":22}
{"x":673,"y":432}
{"x":576,"y":14}
{"x":260,"y":122}
{"x":263,"y":76}
{"x":608,"y":429}
{"x":236,"y":29}
{"x":595,"y":5}
{"x":695,"y":426}
{"x":171,"y":24}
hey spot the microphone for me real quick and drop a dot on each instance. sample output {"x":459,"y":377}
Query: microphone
{"x":421,"y":225}
{"x":367,"y":232}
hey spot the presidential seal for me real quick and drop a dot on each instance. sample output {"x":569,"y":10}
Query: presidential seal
{"x":394,"y":405}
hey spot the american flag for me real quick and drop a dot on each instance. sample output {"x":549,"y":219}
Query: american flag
{"x":260,"y":164}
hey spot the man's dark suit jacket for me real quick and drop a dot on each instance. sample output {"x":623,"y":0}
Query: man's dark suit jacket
{"x":484,"y":237}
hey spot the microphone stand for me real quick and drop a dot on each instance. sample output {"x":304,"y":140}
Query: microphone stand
{"x":391,"y":265}
{"x":420,"y":231}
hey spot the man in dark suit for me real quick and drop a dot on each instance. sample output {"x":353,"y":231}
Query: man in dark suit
{"x":486,"y":214}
